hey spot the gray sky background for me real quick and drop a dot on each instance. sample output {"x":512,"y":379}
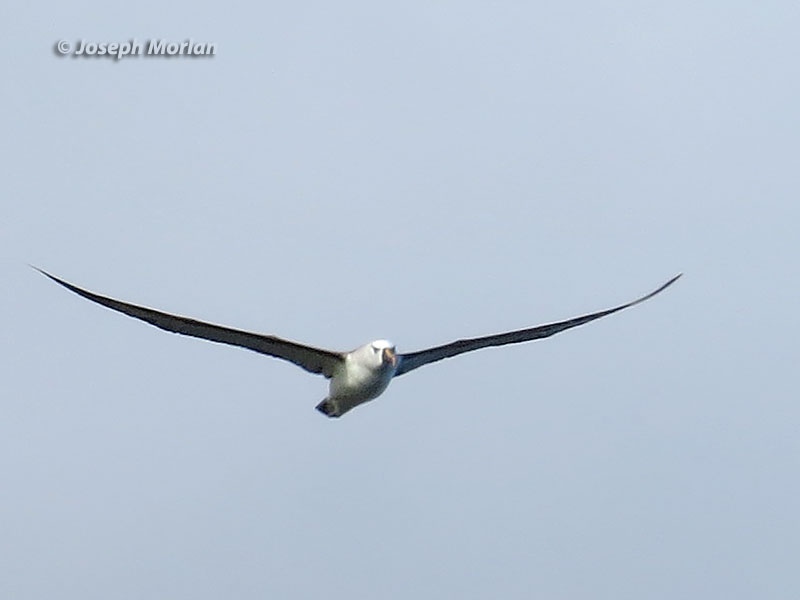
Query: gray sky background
{"x":341,"y":172}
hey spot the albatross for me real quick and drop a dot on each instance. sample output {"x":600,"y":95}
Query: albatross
{"x":356,"y":376}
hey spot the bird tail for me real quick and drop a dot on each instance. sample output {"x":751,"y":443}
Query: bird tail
{"x":328,"y":407}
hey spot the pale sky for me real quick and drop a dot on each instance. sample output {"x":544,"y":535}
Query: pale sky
{"x":424,"y":171}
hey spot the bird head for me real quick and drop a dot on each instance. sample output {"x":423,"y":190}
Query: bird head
{"x":385,"y":352}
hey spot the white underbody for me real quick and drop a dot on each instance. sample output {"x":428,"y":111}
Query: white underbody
{"x":363,"y":377}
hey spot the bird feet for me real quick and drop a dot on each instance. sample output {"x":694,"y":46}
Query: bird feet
{"x":328,"y":407}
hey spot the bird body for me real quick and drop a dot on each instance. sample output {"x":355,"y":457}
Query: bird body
{"x":364,"y":376}
{"x":357,"y":376}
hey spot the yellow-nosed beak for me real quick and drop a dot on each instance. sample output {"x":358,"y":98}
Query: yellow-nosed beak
{"x":389,"y":356}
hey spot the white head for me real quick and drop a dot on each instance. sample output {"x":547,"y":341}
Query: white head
{"x":384,"y":352}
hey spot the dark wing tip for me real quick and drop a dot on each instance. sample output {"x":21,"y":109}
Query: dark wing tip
{"x":669,"y":283}
{"x":45,"y":273}
{"x":69,"y":286}
{"x":42,"y":271}
{"x":654,"y":292}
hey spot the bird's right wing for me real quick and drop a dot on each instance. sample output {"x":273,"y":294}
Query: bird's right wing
{"x":315,"y":360}
{"x":414,"y":360}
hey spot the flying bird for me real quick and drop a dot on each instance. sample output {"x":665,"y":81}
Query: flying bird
{"x":356,"y":376}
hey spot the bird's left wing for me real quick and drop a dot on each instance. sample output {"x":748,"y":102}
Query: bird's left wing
{"x":315,"y":360}
{"x":409,"y":362}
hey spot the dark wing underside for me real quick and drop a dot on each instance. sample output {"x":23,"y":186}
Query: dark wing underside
{"x":315,"y":360}
{"x":409,"y":362}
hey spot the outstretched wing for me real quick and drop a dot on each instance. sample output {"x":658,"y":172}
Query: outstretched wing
{"x":409,"y":362}
{"x":311,"y":359}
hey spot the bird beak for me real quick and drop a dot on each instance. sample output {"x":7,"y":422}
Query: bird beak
{"x":389,"y":356}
